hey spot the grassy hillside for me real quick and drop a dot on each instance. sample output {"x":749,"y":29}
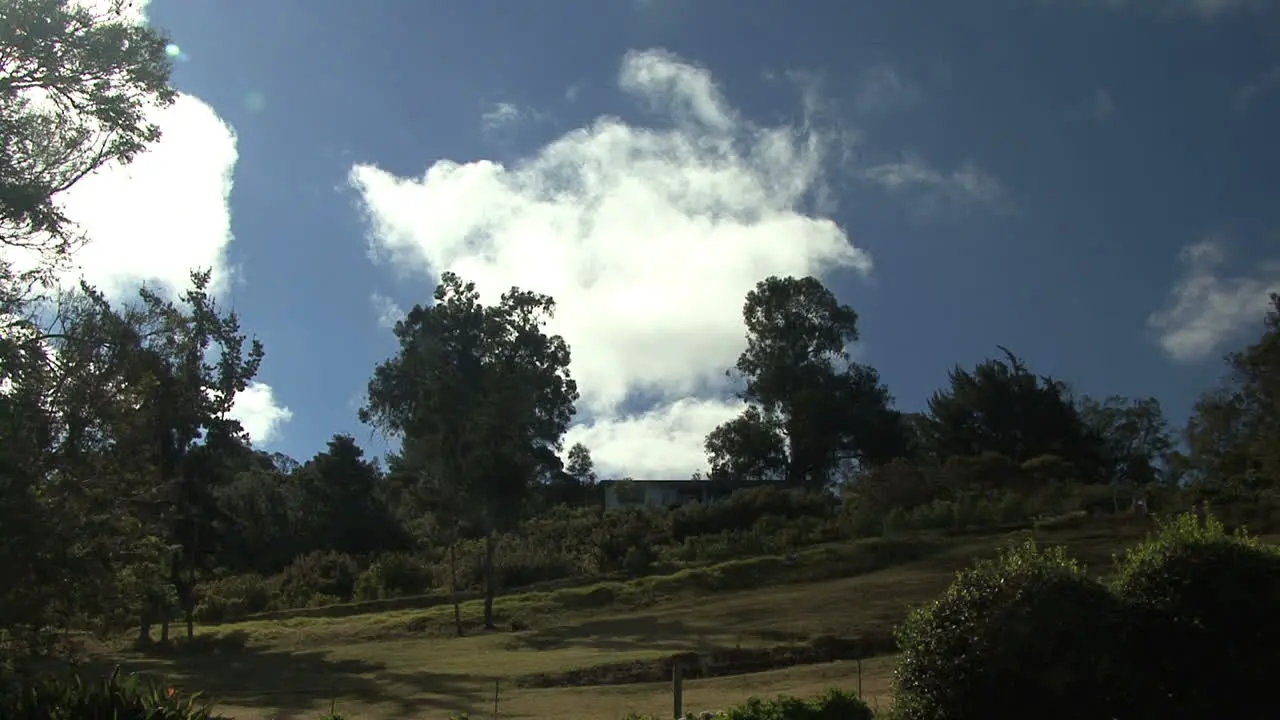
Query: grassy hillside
{"x":403,"y":664}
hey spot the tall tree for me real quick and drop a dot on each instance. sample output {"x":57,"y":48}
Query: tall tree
{"x":811,"y":408}
{"x":188,"y":400}
{"x":340,"y":492}
{"x":1001,"y":407}
{"x":479,"y":391}
{"x":70,"y":410}
{"x":76,"y":87}
{"x":1135,"y":436}
{"x":580,"y":466}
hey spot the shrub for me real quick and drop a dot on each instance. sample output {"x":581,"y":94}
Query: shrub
{"x":744,"y":508}
{"x":835,"y":705}
{"x":526,"y":563}
{"x":111,"y":698}
{"x":1208,"y":602}
{"x":403,"y":574}
{"x":318,"y":573}
{"x":989,"y":471}
{"x":232,"y":597}
{"x":1025,"y":635}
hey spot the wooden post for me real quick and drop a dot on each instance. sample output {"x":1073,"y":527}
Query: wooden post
{"x":496,"y":682}
{"x":677,"y":690}
{"x":859,"y":676}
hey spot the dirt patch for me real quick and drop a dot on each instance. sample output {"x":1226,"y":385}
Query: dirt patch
{"x":717,"y":663}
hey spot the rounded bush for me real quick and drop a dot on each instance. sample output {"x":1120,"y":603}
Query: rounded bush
{"x":1026,"y":635}
{"x":1210,"y":608}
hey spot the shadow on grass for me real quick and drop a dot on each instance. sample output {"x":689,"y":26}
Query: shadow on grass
{"x":228,"y":670}
{"x":635,"y":632}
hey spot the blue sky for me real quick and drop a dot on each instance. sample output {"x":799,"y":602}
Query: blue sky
{"x":1090,"y":183}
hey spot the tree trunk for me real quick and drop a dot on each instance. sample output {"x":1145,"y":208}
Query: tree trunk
{"x":144,"y":625}
{"x":164,"y":626}
{"x":453,"y":586}
{"x":489,"y":580}
{"x":189,"y":594}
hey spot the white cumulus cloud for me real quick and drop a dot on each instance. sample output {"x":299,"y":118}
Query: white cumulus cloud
{"x":1206,"y":310}
{"x":259,"y":413}
{"x":649,"y":239}
{"x":164,"y":214}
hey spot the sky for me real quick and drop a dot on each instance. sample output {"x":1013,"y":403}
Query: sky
{"x":1091,"y":183}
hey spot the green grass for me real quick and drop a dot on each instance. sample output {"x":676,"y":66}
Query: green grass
{"x":403,"y":664}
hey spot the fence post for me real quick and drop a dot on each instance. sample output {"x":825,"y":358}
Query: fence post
{"x":677,"y":690}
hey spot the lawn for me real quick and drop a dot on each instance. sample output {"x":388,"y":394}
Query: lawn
{"x":395,"y":665}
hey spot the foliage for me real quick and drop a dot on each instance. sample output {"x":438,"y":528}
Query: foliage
{"x":479,"y":393}
{"x":1135,"y":437}
{"x":111,"y":698}
{"x":319,"y":573}
{"x":1001,"y":407}
{"x":833,"y":705}
{"x":75,"y":94}
{"x":811,"y":410}
{"x":1209,"y":603}
{"x":1234,"y":430}
{"x":1025,"y":635}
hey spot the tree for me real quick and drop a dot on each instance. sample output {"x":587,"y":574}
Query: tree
{"x":184,"y":398}
{"x":477,"y":392}
{"x":339,"y":490}
{"x":1233,"y":435}
{"x":580,"y":466}
{"x":1001,"y":407}
{"x":76,"y":88}
{"x":562,"y":483}
{"x":1134,"y":433}
{"x":810,"y":409}
{"x":270,"y":525}
{"x":68,"y":470}
{"x":749,"y":447}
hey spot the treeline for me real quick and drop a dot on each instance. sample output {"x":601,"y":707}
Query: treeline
{"x":129,"y":498}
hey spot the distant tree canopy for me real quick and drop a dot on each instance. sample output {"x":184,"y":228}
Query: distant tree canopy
{"x":1001,"y":407}
{"x":811,"y":410}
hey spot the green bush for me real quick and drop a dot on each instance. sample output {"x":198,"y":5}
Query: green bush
{"x":834,"y":705}
{"x":111,"y":698}
{"x":1209,"y":602}
{"x":743,"y":509}
{"x":322,"y":573}
{"x":1025,"y":635}
{"x":233,"y":597}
